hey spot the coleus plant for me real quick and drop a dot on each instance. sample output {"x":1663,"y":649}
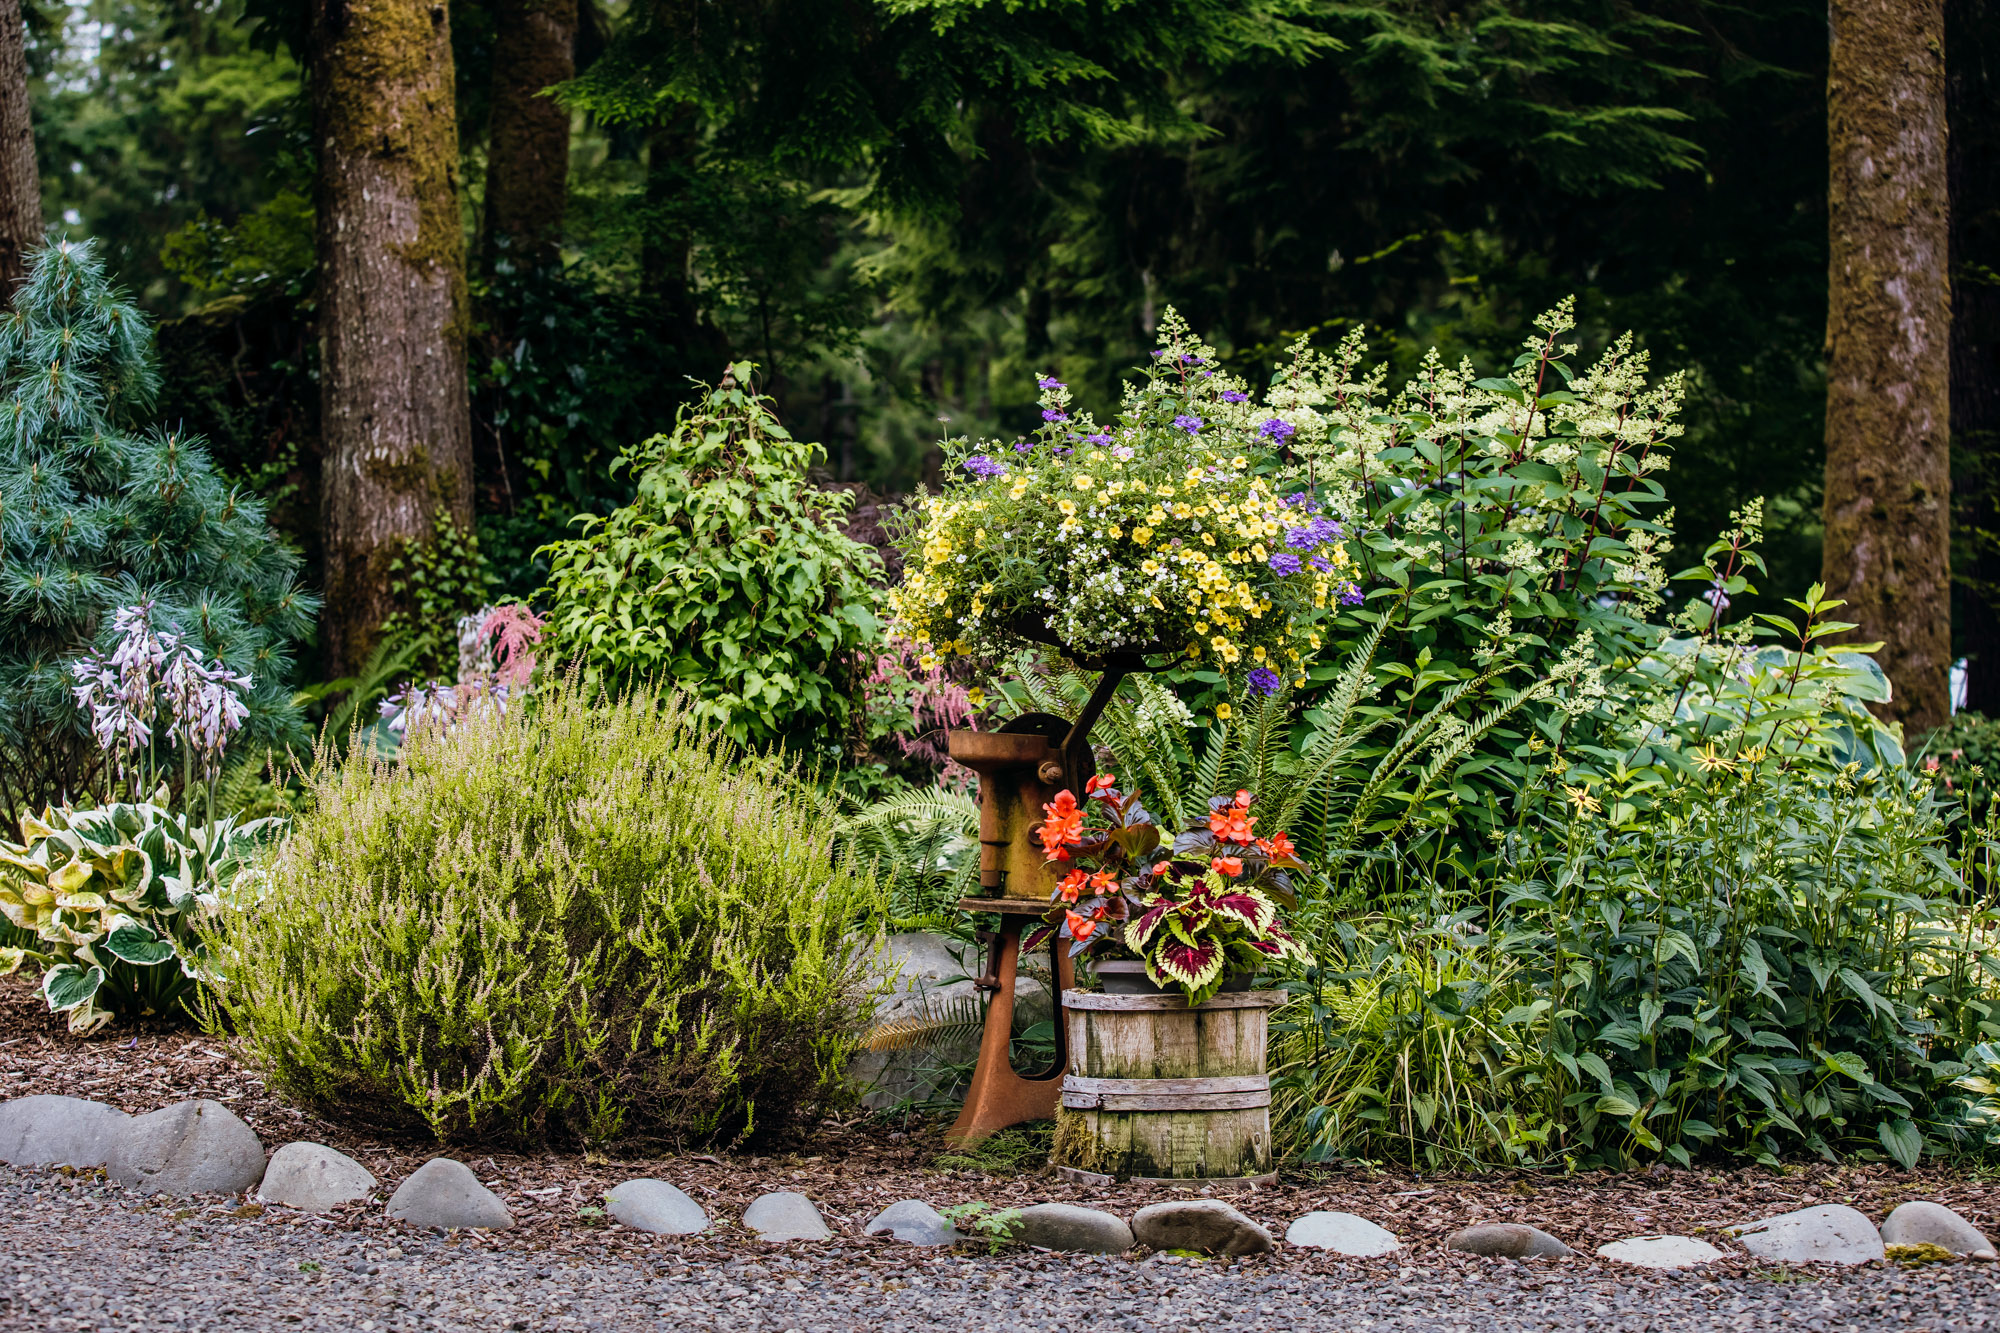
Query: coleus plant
{"x":1196,"y":912}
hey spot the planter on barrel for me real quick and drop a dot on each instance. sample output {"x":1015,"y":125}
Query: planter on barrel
{"x":1160,"y":1091}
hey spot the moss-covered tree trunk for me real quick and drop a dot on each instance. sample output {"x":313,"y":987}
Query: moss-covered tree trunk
{"x":527,"y":174}
{"x":1888,"y":479}
{"x":1972,"y":98}
{"x":20,"y":182}
{"x":394,"y":412}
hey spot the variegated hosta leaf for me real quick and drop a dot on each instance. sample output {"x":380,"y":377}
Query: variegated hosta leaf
{"x":137,"y":943}
{"x":68,"y":985}
{"x":82,"y":902}
{"x":72,"y":878}
{"x":12,"y":958}
{"x":86,"y":1018}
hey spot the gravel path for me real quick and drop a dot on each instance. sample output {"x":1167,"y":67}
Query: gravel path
{"x":80,"y":1254}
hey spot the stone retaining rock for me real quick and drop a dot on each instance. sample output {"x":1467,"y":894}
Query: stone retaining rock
{"x":313,"y":1177}
{"x":786,"y":1216}
{"x":655,"y":1206}
{"x":914,"y":1222}
{"x":1660,"y":1251}
{"x":1208,"y":1225}
{"x":1922,"y":1223}
{"x":1343,"y":1233}
{"x":59,"y":1131}
{"x":1508,"y":1240}
{"x":187,"y":1148}
{"x":1829,"y":1234}
{"x":1064,"y":1226}
{"x":444,"y":1193}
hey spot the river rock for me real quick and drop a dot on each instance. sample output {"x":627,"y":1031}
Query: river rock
{"x":786,"y":1216}
{"x":1829,"y":1234}
{"x":187,"y":1148}
{"x":655,"y":1206}
{"x":444,"y":1193}
{"x":914,"y":1222}
{"x":1208,"y":1225}
{"x":314,"y":1178}
{"x":1064,"y":1226}
{"x":1660,"y":1251}
{"x":1507,"y":1240}
{"x":1343,"y":1233}
{"x":1920,"y":1223}
{"x":59,"y":1131}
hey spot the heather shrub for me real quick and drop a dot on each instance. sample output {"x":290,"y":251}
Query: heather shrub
{"x":586,"y":919}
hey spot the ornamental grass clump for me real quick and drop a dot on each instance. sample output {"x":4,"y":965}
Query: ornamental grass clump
{"x":585,"y":920}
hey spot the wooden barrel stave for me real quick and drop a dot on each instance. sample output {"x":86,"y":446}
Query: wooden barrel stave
{"x":1162,"y":1091}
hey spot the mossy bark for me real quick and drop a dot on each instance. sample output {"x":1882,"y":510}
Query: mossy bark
{"x":392,"y":317}
{"x":1888,"y":479}
{"x":527,"y":177}
{"x":1972,"y":98}
{"x":20,"y":181}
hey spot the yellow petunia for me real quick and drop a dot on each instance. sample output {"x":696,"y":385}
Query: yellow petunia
{"x":1142,"y":535}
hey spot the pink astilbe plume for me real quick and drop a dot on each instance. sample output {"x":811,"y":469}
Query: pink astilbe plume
{"x":513,"y":630}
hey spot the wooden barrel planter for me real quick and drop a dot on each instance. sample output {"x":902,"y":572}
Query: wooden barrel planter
{"x":1158,"y":1091}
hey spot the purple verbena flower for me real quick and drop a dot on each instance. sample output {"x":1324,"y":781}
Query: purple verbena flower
{"x":1054,"y":414}
{"x":979,"y":465}
{"x":1050,"y":382}
{"x":1277,"y":430}
{"x":1235,"y":396}
{"x":1319,"y":562}
{"x":1188,"y":423}
{"x":1285,"y":562}
{"x":1100,"y":438}
{"x":1023,"y":446}
{"x":1313,"y":534}
{"x":1263,"y":680}
{"x":1350,"y":594}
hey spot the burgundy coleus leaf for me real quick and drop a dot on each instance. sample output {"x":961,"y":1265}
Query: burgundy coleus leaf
{"x":1140,"y":930}
{"x":1036,"y":938}
{"x":1192,"y":965}
{"x":1252,"y":909}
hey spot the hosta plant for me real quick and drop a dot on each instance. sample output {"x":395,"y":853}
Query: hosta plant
{"x":1196,"y":911}
{"x":110,"y":896}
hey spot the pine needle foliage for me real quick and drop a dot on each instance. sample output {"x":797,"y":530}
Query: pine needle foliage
{"x":97,"y":512}
{"x":592,"y":919}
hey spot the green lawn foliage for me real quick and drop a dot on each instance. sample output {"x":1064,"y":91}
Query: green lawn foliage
{"x":589,"y":919}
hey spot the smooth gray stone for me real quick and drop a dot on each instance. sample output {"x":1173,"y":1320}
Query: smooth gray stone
{"x":786,"y":1216}
{"x":1921,"y":1223}
{"x":914,"y":1222}
{"x":1660,"y":1251}
{"x":1507,"y":1240}
{"x":313,"y":1177}
{"x":1064,"y":1226}
{"x":444,"y":1193}
{"x":1343,"y":1233}
{"x":1208,"y":1225}
{"x":188,"y":1148}
{"x":59,"y":1131}
{"x":1829,"y":1234}
{"x":655,"y":1206}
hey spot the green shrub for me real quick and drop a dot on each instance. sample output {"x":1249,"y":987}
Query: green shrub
{"x":1775,"y":959}
{"x":95,"y":514}
{"x":727,"y":573}
{"x":1964,"y":753}
{"x":580,"y":920}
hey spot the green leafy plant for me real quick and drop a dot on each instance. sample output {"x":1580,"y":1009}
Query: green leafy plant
{"x":984,"y":1223}
{"x":498,"y":934}
{"x":727,"y":573}
{"x":112,"y":896}
{"x":96,"y":514}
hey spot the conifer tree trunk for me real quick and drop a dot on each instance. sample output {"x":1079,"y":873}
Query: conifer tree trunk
{"x":1888,"y":480}
{"x":395,"y":419}
{"x":528,"y":150}
{"x":1972,"y":98}
{"x":20,"y":182}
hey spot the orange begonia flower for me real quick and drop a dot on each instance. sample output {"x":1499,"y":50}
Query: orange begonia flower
{"x":1231,"y":866}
